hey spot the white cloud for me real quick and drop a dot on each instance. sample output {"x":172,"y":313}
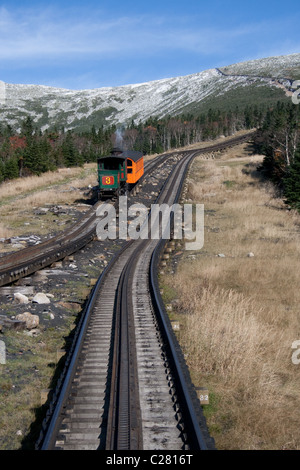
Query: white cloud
{"x":24,"y":35}
{"x":83,"y":40}
{"x":52,"y":34}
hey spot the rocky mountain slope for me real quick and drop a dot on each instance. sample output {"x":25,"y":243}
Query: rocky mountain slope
{"x":237,"y":84}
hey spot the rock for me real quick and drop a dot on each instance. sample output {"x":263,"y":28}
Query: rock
{"x":221,"y":255}
{"x":73,"y":306}
{"x":41,"y":298}
{"x":34,"y":240}
{"x":8,"y":323}
{"x":40,"y":276}
{"x":21,"y":298}
{"x":56,"y":264}
{"x":32,"y":321}
{"x":11,"y":290}
{"x":34,"y":332}
{"x":2,"y":353}
{"x":41,"y":211}
{"x":250,"y":255}
{"x":58,"y":210}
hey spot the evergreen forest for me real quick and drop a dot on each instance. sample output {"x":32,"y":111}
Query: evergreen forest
{"x":32,"y":151}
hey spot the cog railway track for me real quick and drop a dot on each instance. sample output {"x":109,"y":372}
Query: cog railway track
{"x":125,"y":384}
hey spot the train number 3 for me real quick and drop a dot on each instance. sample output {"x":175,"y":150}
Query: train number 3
{"x":107,"y":180}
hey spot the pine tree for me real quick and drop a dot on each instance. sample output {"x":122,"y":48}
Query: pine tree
{"x":70,"y":153}
{"x":11,"y":169}
{"x":292,"y":183}
{"x":27,"y":128}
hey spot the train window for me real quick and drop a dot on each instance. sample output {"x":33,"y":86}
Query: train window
{"x":129,"y":170}
{"x":111,"y":165}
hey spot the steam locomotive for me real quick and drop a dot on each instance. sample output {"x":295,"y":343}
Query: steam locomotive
{"x":119,"y":172}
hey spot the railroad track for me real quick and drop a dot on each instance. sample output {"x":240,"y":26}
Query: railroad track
{"x":29,"y":260}
{"x":125,"y":384}
{"x":125,"y":387}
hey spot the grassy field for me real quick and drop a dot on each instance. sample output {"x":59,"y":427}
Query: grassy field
{"x":20,"y":197}
{"x":239,"y":312}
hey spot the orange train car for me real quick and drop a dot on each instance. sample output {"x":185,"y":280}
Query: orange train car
{"x":135,"y":166}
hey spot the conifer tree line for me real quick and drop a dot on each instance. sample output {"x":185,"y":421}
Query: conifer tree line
{"x":279,"y":140}
{"x":31,"y":151}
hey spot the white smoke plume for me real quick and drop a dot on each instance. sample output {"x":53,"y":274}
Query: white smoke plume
{"x":118,"y":138}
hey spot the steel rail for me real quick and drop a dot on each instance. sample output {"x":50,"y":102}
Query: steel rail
{"x":56,"y":409}
{"x":124,"y":432}
{"x":51,"y":423}
{"x":58,"y":402}
{"x":198,"y":437}
{"x":29,"y":260}
{"x":124,"y":426}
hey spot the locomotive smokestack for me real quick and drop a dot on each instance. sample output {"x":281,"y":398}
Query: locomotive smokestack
{"x":116,"y":151}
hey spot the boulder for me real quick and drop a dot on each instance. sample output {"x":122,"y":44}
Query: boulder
{"x":21,"y":298}
{"x":41,"y":298}
{"x":32,"y":321}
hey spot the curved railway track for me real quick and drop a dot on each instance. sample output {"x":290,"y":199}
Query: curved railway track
{"x":121,"y":391}
{"x":126,"y":384}
{"x":29,"y":260}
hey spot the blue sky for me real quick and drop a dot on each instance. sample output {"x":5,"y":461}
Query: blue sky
{"x":92,"y":44}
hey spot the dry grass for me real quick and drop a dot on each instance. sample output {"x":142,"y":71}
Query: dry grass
{"x":21,"y":186}
{"x":5,"y":232}
{"x":241,"y":314}
{"x":18,"y":198}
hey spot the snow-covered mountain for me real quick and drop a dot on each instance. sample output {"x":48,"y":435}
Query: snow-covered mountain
{"x":48,"y":106}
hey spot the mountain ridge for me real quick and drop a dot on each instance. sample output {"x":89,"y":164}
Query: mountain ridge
{"x":271,"y":78}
